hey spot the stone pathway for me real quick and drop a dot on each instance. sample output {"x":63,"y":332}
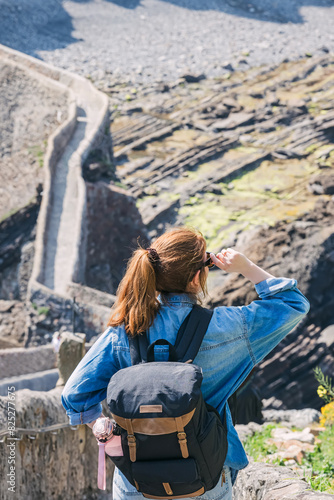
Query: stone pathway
{"x":60,"y":234}
{"x":60,"y":237}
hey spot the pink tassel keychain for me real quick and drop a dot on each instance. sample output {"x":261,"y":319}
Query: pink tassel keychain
{"x":109,"y":443}
{"x":101,"y":474}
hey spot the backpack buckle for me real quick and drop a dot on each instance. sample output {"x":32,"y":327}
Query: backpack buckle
{"x":182,"y":436}
{"x":132,"y":447}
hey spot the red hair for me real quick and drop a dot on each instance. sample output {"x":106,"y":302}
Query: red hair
{"x":176,"y":257}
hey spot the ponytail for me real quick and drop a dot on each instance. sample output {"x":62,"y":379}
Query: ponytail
{"x":137,"y":304}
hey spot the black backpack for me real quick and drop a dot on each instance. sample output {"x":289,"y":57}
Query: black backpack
{"x":174,"y":444}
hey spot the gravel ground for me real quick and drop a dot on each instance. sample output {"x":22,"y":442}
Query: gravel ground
{"x":150,"y":40}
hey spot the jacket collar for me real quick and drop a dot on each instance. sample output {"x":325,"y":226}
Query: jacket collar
{"x":173,"y":298}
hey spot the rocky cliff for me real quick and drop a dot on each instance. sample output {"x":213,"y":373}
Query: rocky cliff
{"x":303,"y":250}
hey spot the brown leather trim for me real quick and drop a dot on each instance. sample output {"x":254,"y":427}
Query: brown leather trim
{"x":195,"y":494}
{"x":223,"y":477}
{"x":182,"y":437}
{"x":168,"y":489}
{"x":132,"y":447}
{"x":131,"y":441}
{"x":153,"y":426}
{"x":150,"y":409}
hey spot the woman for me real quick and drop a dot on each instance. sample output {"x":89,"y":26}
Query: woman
{"x":157,"y":292}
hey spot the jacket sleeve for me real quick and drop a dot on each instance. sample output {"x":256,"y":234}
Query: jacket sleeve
{"x":87,"y":385}
{"x":269,"y":320}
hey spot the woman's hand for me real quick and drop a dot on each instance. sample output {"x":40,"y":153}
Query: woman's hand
{"x":91,"y":424}
{"x":231,"y":261}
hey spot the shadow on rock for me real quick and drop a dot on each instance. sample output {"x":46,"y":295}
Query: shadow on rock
{"x":127,"y":4}
{"x":284,"y":11}
{"x":33,"y":26}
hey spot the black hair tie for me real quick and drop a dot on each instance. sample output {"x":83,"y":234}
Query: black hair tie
{"x":153,"y":254}
{"x":154,"y":257}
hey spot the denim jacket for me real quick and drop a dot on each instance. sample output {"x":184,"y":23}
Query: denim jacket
{"x":236,"y":340}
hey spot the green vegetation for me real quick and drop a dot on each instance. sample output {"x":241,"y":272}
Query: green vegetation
{"x":259,"y":196}
{"x":326,"y":388}
{"x":9,"y":214}
{"x":120,"y":185}
{"x":320,"y":461}
{"x":257,"y":447}
{"x":43,"y":310}
{"x":38,"y":153}
{"x":40,"y":310}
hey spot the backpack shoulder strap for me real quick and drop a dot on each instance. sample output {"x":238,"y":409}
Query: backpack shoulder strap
{"x":191,"y":333}
{"x":188,"y":340}
{"x":138,"y":348}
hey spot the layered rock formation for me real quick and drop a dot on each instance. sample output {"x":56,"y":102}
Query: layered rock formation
{"x":227,"y":155}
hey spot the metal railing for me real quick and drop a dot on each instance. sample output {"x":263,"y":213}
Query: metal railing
{"x":33,"y":433}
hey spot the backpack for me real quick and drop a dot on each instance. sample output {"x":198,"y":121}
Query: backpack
{"x":174,"y":444}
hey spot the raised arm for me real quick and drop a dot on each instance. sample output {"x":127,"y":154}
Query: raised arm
{"x":267,"y":321}
{"x":232,"y":261}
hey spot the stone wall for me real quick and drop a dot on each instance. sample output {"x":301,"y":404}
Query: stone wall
{"x":19,"y":361}
{"x":63,"y":314}
{"x":56,"y":465}
{"x":39,"y":381}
